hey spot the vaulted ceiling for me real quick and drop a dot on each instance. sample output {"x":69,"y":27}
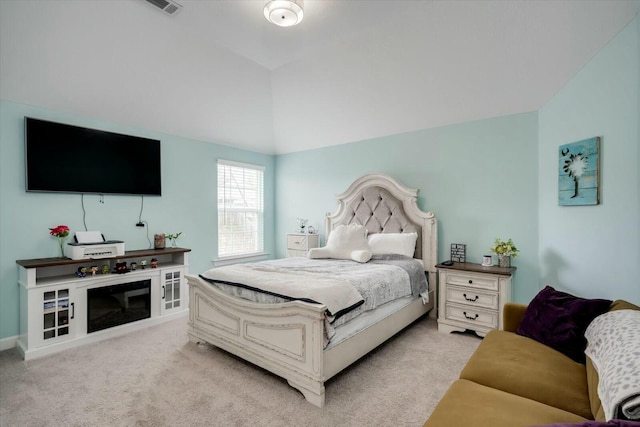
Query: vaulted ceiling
{"x":218,"y":71}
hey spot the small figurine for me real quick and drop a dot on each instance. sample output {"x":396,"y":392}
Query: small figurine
{"x":121,"y":267}
{"x":81,"y":272}
{"x":94,"y":270}
{"x":143,"y":264}
{"x":133,"y":266}
{"x":154,"y":263}
{"x":105,"y":269}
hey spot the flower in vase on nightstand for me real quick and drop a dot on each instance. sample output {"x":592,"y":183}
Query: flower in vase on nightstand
{"x":61,"y":232}
{"x":504,"y":250}
{"x":302,"y":223}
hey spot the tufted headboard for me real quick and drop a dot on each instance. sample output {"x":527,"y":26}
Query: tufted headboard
{"x":383,"y":205}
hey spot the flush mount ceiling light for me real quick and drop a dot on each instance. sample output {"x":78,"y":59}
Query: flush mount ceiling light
{"x":284,"y":13}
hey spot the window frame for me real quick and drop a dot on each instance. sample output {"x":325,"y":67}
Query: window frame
{"x":260,"y":232}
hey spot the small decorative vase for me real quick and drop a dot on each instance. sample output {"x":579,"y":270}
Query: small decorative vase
{"x":61,"y":243}
{"x":504,"y":260}
{"x":159,"y":241}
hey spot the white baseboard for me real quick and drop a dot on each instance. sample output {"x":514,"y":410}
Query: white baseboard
{"x":8,"y":343}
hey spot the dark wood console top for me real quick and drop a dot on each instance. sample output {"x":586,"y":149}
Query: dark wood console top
{"x":479,"y":268}
{"x":52,"y":262}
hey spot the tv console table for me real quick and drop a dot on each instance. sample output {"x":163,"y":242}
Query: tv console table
{"x":54,"y":299}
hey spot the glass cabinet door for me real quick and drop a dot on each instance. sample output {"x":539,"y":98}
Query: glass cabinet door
{"x":58,"y":311}
{"x":172,"y":291}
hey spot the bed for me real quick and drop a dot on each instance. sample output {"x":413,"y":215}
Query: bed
{"x":290,"y":338}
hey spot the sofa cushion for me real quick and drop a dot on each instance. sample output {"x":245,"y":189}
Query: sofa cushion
{"x":469,"y":404}
{"x":522,"y":366}
{"x":559,"y":319}
{"x":620,"y":304}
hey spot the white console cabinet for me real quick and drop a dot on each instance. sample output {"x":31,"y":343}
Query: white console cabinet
{"x":54,"y":301}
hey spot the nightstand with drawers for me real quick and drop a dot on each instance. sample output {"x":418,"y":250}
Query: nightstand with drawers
{"x":298,"y":244}
{"x":472,"y":296}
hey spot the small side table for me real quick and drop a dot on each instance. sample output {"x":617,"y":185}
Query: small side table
{"x":472,"y":296}
{"x":298,"y":244}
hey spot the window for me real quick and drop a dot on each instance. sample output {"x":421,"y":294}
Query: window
{"x":240,"y":209}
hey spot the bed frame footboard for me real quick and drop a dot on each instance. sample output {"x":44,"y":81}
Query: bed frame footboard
{"x":286,"y":339}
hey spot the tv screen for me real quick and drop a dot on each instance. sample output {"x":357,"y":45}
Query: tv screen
{"x":72,"y":159}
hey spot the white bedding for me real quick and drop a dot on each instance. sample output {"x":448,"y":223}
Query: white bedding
{"x":364,"y":320}
{"x":378,"y":282}
{"x":275,"y":280}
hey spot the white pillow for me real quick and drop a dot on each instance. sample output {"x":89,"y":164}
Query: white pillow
{"x":345,"y":242}
{"x":361,"y":256}
{"x":393,"y":243}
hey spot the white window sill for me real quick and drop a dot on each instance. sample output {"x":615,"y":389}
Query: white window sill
{"x":236,"y":259}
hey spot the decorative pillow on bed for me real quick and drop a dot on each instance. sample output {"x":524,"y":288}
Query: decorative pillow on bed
{"x":393,"y":243}
{"x":559,"y":320}
{"x":345,"y":242}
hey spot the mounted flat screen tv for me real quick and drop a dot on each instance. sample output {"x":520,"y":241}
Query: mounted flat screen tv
{"x":71,"y":159}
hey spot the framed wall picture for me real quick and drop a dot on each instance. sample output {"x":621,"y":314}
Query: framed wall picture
{"x":579,"y":173}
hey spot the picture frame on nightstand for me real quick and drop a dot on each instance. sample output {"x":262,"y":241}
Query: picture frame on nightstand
{"x":458,"y":252}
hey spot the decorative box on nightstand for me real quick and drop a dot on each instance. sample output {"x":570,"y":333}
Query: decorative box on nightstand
{"x":298,"y":244}
{"x":472,"y":296}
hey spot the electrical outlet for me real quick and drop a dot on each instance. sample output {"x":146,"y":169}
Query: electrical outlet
{"x":140,"y":224}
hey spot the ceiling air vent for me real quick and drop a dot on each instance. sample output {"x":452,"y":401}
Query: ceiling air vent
{"x":169,"y":7}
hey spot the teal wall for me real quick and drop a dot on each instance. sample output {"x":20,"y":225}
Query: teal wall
{"x":480,"y":179}
{"x":187,"y":204}
{"x":595,"y":250}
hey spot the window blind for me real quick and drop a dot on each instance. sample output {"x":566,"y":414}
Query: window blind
{"x":240,"y":209}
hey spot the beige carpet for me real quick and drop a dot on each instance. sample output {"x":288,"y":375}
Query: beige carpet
{"x":156,"y":377}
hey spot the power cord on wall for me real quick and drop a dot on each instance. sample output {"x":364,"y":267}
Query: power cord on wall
{"x":142,"y":223}
{"x":84,"y":212}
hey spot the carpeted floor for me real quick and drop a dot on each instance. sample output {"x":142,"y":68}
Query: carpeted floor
{"x":156,"y":377}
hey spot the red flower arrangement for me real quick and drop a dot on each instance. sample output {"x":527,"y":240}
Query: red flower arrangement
{"x":60,"y":232}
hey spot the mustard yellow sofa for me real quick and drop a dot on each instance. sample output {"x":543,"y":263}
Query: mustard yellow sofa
{"x":515,"y":381}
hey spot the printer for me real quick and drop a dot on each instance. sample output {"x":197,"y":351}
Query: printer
{"x":92,"y":245}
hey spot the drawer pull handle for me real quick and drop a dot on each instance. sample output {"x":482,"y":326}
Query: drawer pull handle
{"x":471,"y":299}
{"x":470,"y":281}
{"x":470,"y":317}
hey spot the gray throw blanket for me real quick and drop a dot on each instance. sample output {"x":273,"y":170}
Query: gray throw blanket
{"x":614,"y":348}
{"x":414,"y":269}
{"x":338,"y":295}
{"x":383,"y":279}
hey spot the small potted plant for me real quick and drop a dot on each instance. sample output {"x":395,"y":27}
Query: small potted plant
{"x":172,"y":238}
{"x":504,"y":250}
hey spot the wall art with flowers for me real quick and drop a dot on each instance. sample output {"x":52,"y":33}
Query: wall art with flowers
{"x":579,"y":173}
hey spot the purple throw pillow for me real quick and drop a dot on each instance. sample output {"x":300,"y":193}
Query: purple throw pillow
{"x":559,"y":320}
